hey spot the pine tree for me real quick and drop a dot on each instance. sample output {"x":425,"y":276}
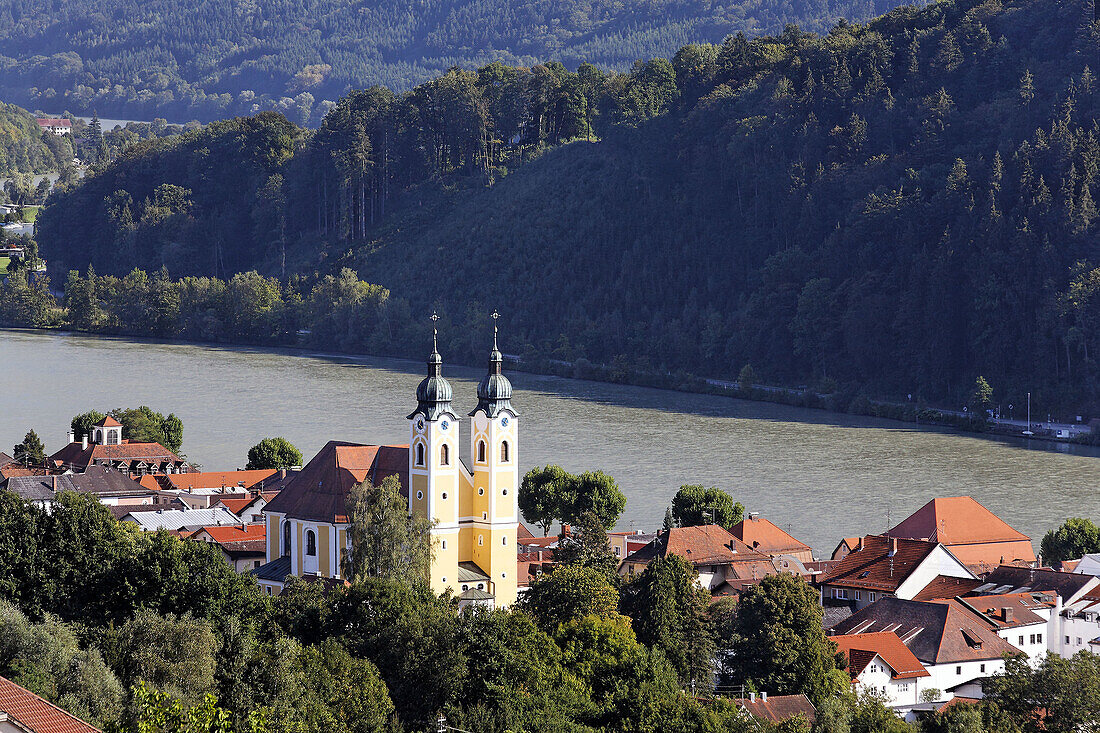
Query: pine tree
{"x":31,"y":452}
{"x":1027,"y":88}
{"x":1086,"y":210}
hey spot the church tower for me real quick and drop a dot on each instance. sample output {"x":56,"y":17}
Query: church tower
{"x":491,"y":531}
{"x":433,"y":469}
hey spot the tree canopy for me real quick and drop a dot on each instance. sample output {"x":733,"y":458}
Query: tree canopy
{"x":273,"y":453}
{"x":1076,"y":538}
{"x":694,"y":506}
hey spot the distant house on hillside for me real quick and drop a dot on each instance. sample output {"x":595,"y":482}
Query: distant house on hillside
{"x":244,"y":546}
{"x":55,"y":125}
{"x":880,"y":663}
{"x":21,"y":711}
{"x":776,"y":708}
{"x":763,"y":536}
{"x":106,"y":447}
{"x":975,"y":535}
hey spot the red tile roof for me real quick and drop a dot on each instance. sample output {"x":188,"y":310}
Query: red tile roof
{"x":108,"y":422}
{"x":228,"y":534}
{"x":1023,"y":607}
{"x":974,"y":534}
{"x":862,"y":648}
{"x":763,"y":536}
{"x":236,"y":505}
{"x":319,"y":491}
{"x":76,"y":455}
{"x":706,"y":545}
{"x":218,"y":479}
{"x":778,"y":708}
{"x":877,"y":566}
{"x":35,"y":714}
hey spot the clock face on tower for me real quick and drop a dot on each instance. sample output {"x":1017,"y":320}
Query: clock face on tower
{"x":420,"y":424}
{"x":504,"y":421}
{"x":445,"y":424}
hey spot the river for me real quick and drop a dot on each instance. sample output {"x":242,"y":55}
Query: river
{"x":823,"y":476}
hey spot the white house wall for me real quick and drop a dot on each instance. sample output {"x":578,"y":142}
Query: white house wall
{"x":938,"y":562}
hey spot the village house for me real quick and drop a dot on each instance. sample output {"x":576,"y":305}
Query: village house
{"x":21,"y":711}
{"x":776,"y":708}
{"x":973,"y":534}
{"x":725,"y":564}
{"x":106,"y":447}
{"x":957,"y":646}
{"x":244,"y":546}
{"x":249,"y":508}
{"x":55,"y":125}
{"x":107,"y":485}
{"x":881,"y":567}
{"x":764,"y":537}
{"x":473,"y":508}
{"x":880,"y":663}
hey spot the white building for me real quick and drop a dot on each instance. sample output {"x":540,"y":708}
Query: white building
{"x":880,"y":663}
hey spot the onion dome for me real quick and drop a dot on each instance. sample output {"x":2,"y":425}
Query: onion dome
{"x":434,"y":393}
{"x":494,"y":391}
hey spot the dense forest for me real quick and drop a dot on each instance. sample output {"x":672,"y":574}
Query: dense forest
{"x":25,"y":148}
{"x":182,"y":61}
{"x":894,"y":207}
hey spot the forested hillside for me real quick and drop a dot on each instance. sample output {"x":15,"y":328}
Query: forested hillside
{"x":897,"y":207}
{"x":217,"y":58}
{"x":23,"y":146}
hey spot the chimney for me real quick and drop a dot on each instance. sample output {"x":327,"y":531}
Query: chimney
{"x":859,"y":545}
{"x":752,"y":697}
{"x":54,"y":484}
{"x":282,"y":473}
{"x":84,"y":443}
{"x":72,"y":436}
{"x":1006,"y":614}
{"x":763,"y":697}
{"x":893,"y":546}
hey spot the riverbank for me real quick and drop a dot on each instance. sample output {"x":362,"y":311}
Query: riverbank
{"x":840,"y":403}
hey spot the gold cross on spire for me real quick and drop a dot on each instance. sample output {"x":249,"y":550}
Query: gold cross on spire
{"x":494,"y":316}
{"x":435,"y":331}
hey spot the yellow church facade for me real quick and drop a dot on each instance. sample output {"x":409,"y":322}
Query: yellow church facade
{"x":471,"y":502}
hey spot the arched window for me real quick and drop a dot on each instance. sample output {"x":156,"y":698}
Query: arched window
{"x":311,"y":543}
{"x":286,"y":537}
{"x":480,"y":539}
{"x":504,"y":452}
{"x":481,"y":451}
{"x":444,"y":455}
{"x":420,"y":454}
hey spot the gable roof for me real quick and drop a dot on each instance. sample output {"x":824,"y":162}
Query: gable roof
{"x":1023,"y":607}
{"x":960,"y":520}
{"x":777,"y":708}
{"x":228,"y":534}
{"x":763,"y":536}
{"x":862,"y":648}
{"x":319,"y":491}
{"x":709,"y":544}
{"x":108,"y":422}
{"x":77,"y":456}
{"x":882,"y":564}
{"x":938,"y":632}
{"x":217,"y":479}
{"x":36,"y":714}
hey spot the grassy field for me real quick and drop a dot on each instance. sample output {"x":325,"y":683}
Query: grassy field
{"x":30,"y":213}
{"x":4,"y":261}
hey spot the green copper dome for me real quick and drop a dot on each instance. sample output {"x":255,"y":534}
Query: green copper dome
{"x":494,"y":391}
{"x":434,"y":393}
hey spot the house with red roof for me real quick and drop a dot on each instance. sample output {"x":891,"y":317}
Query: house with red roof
{"x":776,"y":708}
{"x":957,"y":646}
{"x":55,"y":125}
{"x":244,"y":546}
{"x":107,"y":448}
{"x":975,"y":535}
{"x":881,"y":567}
{"x":725,"y":564}
{"x":22,"y":711}
{"x":880,"y":663}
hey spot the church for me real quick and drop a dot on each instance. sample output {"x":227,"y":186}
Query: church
{"x":473,"y":503}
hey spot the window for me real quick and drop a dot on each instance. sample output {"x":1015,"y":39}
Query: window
{"x":465,"y":587}
{"x":481,"y":451}
{"x":444,"y":496}
{"x":859,"y":595}
{"x":311,"y":543}
{"x":444,"y":455}
{"x":480,"y":540}
{"x":872,"y":596}
{"x":504,"y":452}
{"x":480,"y":491}
{"x":618,"y":551}
{"x":504,"y":540}
{"x":444,"y":544}
{"x":420,"y":454}
{"x":481,"y":586}
{"x":1067,"y":639}
{"x":1038,"y":638}
{"x":256,"y":564}
{"x":1022,"y":640}
{"x":982,"y":670}
{"x":958,"y":670}
{"x":1032,"y":639}
{"x":286,"y":540}
{"x":504,"y":492}
{"x":419,"y":495}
